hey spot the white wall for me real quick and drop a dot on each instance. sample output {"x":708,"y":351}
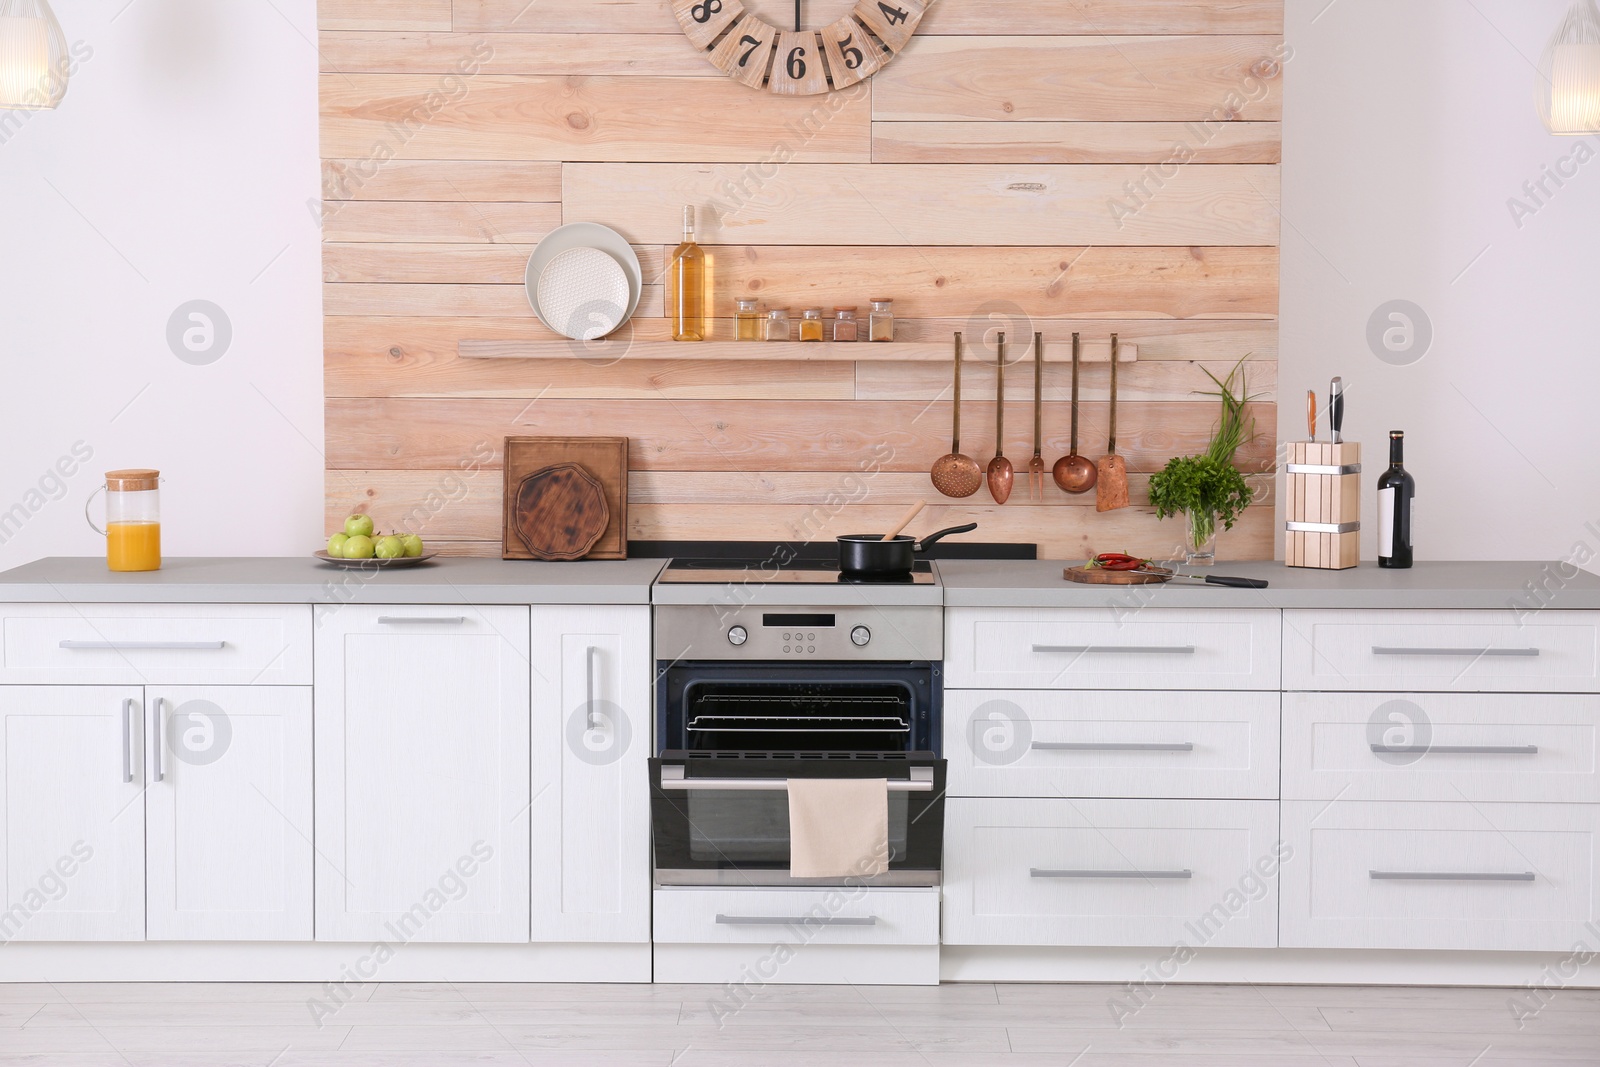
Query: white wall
{"x":179,"y":167}
{"x":1408,"y":127}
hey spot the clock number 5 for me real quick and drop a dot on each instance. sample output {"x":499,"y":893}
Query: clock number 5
{"x":893,"y":14}
{"x":852,"y":55}
{"x":796,"y":65}
{"x":753,"y":43}
{"x":703,"y":11}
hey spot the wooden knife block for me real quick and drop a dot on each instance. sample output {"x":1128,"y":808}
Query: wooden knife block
{"x":1323,"y":504}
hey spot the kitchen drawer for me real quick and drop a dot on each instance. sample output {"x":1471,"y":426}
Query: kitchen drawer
{"x":1094,"y":743}
{"x":1441,"y":746}
{"x":824,"y":916}
{"x":1095,"y":648}
{"x":1442,"y":651}
{"x":1516,"y":877}
{"x":1111,"y":872}
{"x":172,"y":644}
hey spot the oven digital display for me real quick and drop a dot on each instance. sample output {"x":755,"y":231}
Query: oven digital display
{"x":800,"y":621}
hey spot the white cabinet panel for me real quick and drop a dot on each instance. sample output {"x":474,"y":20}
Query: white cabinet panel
{"x":1442,"y":746}
{"x":171,"y":644}
{"x":1110,"y":648}
{"x":228,"y":849}
{"x":1083,"y":743}
{"x":1442,"y":651}
{"x":1517,"y":877}
{"x":592,"y":716}
{"x":823,"y":916}
{"x":71,"y":815}
{"x":1111,"y":872}
{"x":422,"y":773}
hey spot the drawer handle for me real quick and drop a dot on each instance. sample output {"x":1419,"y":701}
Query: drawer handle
{"x":400,"y":620}
{"x":1039,"y":873}
{"x":157,"y":772}
{"x":797,"y":920}
{"x":1114,"y":746}
{"x":1396,"y":650}
{"x":1452,"y":876}
{"x":145,"y":646}
{"x":1126,"y":650}
{"x":768,"y":785}
{"x":1475,"y":750}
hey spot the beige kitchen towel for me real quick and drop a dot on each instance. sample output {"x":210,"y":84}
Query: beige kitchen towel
{"x":838,"y":827}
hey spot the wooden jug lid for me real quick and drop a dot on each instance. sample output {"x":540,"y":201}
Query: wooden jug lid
{"x":134,"y":480}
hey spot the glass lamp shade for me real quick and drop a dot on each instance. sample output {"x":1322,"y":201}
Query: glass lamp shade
{"x":1569,"y":74}
{"x":33,"y":56}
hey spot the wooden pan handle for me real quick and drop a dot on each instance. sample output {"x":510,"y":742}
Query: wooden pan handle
{"x":905,"y":520}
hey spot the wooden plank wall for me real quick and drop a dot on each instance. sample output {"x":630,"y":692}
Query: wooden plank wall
{"x":975,"y":180}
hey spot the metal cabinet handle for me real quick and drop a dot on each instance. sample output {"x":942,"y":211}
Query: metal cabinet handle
{"x":1137,"y":650}
{"x":127,"y":739}
{"x":1395,"y":650}
{"x":768,"y":785}
{"x":1039,"y":873}
{"x":144,"y":646}
{"x":797,"y":920}
{"x":398,"y":620}
{"x":1114,"y":746}
{"x":1452,"y":876}
{"x":157,"y":772}
{"x":1475,"y":750}
{"x":588,"y":681}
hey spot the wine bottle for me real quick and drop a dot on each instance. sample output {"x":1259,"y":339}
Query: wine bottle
{"x":686,"y":285}
{"x":1396,"y":491}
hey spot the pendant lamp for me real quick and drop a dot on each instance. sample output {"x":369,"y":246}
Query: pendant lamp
{"x":1569,"y":74}
{"x":33,"y":56}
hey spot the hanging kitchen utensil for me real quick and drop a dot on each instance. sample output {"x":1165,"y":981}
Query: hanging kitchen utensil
{"x":870,"y":556}
{"x":1074,"y":473}
{"x":955,"y":474}
{"x":1111,"y":474}
{"x":1001,"y":474}
{"x":1036,"y":464}
{"x":905,"y":520}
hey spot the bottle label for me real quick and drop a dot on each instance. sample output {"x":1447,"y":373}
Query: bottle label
{"x":1386,"y":522}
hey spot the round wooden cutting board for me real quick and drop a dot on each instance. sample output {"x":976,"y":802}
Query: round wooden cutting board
{"x":561,"y":512}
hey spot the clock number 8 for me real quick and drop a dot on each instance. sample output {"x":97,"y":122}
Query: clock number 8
{"x":796,"y":65}
{"x":703,"y":11}
{"x":852,"y":55}
{"x":893,"y":14}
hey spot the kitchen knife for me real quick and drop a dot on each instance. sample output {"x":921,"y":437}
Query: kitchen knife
{"x":1219,"y":579}
{"x":1336,"y":409}
{"x":1311,"y":413}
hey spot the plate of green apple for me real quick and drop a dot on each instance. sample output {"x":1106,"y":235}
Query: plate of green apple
{"x":359,"y":544}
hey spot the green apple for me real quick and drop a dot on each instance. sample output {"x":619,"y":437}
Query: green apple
{"x":412,"y":543}
{"x":359,"y":547}
{"x":336,"y":545}
{"x":389,"y":547}
{"x":358,"y":526}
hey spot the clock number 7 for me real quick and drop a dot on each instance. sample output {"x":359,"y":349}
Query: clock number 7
{"x":753,"y":43}
{"x":893,"y":14}
{"x":852,"y":55}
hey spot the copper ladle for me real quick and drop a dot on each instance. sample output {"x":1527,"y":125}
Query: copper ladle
{"x":957,"y":475}
{"x":1074,"y":473}
{"x":1001,"y":474}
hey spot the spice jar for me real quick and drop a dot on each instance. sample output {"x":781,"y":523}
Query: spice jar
{"x":880,"y":324}
{"x":845,"y":326}
{"x":748,"y":319}
{"x":778,"y":324}
{"x":811,"y":324}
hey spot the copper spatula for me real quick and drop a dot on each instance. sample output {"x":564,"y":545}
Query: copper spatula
{"x":1111,"y":474}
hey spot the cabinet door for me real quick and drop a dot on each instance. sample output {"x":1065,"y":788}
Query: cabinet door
{"x":422,"y":773}
{"x":228,"y":813}
{"x":71,"y":821}
{"x":591,"y":790}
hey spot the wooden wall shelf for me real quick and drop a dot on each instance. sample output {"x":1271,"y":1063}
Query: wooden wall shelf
{"x":1059,"y":351}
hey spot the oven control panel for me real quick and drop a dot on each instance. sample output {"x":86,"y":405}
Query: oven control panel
{"x":710,"y":632}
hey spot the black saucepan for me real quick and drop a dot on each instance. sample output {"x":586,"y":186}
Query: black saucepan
{"x":870,"y":556}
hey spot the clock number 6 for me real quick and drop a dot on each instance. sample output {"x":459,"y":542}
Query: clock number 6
{"x":703,"y":11}
{"x":796,"y":65}
{"x":753,"y":43}
{"x":852,"y":55}
{"x":893,"y":14}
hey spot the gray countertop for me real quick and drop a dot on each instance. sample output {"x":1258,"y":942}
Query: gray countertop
{"x":1520,"y":586}
{"x":290,"y":580}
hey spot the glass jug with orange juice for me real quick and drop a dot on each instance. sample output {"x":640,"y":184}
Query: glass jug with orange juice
{"x":133,"y":520}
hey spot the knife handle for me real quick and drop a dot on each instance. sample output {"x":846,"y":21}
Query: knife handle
{"x":1311,"y":413}
{"x":1336,"y":414}
{"x":1236,"y":583}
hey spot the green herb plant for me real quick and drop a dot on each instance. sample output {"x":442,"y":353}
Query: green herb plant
{"x":1208,"y":488}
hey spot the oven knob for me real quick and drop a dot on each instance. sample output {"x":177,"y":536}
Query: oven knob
{"x":738,"y":635}
{"x":860,"y":635}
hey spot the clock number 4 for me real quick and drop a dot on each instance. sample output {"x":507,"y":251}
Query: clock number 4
{"x":852,"y":55}
{"x":753,"y":43}
{"x":894,"y":14}
{"x":703,"y":11}
{"x":796,"y":64}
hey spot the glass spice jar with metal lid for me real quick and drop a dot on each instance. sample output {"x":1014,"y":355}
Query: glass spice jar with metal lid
{"x":811,"y":328}
{"x":845,"y":325}
{"x":778,"y":324}
{"x":748,"y":321}
{"x":880,"y":322}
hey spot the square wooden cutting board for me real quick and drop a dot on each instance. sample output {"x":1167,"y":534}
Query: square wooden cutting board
{"x":605,"y":458}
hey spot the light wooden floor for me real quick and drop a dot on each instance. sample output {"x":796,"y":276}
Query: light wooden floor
{"x":174,"y":1025}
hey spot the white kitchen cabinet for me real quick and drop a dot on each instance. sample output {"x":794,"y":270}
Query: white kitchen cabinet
{"x":422,"y":791}
{"x":71,"y":815}
{"x":592,"y":717}
{"x":228,"y":852}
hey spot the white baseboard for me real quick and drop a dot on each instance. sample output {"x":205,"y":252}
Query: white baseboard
{"x":1279,"y":966}
{"x":752,"y":966}
{"x":350,"y":963}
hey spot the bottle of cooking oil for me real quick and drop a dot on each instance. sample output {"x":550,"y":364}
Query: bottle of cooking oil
{"x":686,"y":285}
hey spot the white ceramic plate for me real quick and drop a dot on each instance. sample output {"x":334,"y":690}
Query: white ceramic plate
{"x":583,"y":294}
{"x":584,"y":235}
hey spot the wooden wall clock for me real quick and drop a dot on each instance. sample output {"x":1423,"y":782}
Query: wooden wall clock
{"x":799,"y":62}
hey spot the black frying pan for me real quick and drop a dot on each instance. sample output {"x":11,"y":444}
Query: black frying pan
{"x":870,"y":556}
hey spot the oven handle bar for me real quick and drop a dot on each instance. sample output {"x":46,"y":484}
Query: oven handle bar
{"x":769,"y":785}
